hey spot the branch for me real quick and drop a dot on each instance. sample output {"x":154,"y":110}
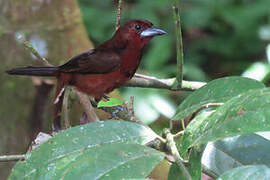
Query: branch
{"x":65,"y":107}
{"x":173,"y":149}
{"x":88,"y":108}
{"x":152,"y":82}
{"x":118,"y":17}
{"x":179,"y":43}
{"x":6,"y":158}
{"x":30,"y":47}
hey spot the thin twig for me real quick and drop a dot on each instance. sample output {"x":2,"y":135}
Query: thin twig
{"x":180,"y":133}
{"x":173,"y":149}
{"x":65,"y":106}
{"x":118,"y":17}
{"x":179,"y":43}
{"x":6,"y":158}
{"x":131,"y":109}
{"x":57,"y":99}
{"x":30,"y":47}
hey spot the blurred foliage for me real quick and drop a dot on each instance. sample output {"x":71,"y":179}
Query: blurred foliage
{"x":220,"y":38}
{"x":216,"y":34}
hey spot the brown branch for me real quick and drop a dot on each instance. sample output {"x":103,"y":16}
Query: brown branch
{"x":131,"y":110}
{"x":88,"y":108}
{"x":118,"y":17}
{"x":65,"y":106}
{"x":144,"y":81}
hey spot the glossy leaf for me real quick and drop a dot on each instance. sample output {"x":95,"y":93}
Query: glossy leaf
{"x":245,"y":113}
{"x":249,"y":149}
{"x":259,"y":172}
{"x":216,"y":91}
{"x":92,"y":151}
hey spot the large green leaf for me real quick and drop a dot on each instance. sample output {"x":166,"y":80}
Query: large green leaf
{"x":226,"y":154}
{"x":259,"y":172}
{"x":216,"y":91}
{"x":102,"y":150}
{"x":245,"y":113}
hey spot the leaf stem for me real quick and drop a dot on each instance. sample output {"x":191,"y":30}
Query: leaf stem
{"x":65,"y":106}
{"x":173,"y":149}
{"x":30,"y":47}
{"x":179,"y":43}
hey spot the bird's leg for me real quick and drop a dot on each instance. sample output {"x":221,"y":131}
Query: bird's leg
{"x":118,"y":109}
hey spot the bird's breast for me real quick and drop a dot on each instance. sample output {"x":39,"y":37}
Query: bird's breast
{"x":130,"y":64}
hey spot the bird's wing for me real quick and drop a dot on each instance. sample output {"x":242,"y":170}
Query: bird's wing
{"x":92,"y":62}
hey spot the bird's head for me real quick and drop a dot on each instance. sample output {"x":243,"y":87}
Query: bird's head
{"x":138,"y":32}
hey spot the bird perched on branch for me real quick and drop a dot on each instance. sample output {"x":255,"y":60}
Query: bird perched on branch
{"x":100,"y":70}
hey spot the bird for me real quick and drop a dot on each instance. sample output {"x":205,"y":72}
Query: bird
{"x":99,"y":71}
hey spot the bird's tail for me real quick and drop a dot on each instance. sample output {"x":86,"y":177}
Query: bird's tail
{"x":34,"y":71}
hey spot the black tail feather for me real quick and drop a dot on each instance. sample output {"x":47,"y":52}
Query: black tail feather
{"x":34,"y":71}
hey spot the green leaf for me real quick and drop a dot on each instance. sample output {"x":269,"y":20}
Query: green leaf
{"x":245,"y":113}
{"x":216,"y":91}
{"x":193,"y":166}
{"x":110,"y":103}
{"x":93,"y":151}
{"x":248,"y":149}
{"x":259,"y":172}
{"x":175,"y":172}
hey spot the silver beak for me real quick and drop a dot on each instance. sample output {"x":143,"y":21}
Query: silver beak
{"x":152,"y":32}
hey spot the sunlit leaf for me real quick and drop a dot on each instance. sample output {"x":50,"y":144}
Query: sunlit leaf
{"x":246,"y":113}
{"x":216,"y":91}
{"x":110,"y":103}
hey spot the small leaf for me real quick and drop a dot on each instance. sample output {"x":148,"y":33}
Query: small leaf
{"x":110,"y":103}
{"x":92,"y":151}
{"x":245,"y":113}
{"x":216,"y":91}
{"x":259,"y":172}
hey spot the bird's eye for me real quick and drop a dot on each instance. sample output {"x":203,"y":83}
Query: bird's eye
{"x":138,"y":27}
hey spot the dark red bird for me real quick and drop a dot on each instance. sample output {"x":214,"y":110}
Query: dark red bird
{"x":101,"y":70}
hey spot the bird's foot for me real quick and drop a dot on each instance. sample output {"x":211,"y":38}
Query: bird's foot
{"x":116,"y":110}
{"x":105,"y":98}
